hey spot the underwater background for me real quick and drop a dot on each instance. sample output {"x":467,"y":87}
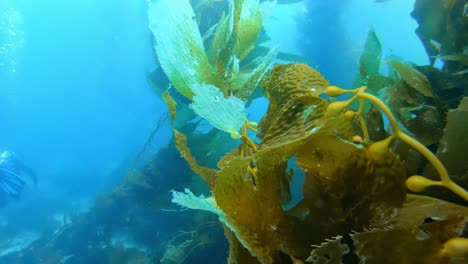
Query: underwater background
{"x":86,"y":110}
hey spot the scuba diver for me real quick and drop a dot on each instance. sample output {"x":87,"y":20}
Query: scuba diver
{"x":12,"y":177}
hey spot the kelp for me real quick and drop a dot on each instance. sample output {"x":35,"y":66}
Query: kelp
{"x":248,"y":29}
{"x":221,"y":47}
{"x":412,"y":77}
{"x":454,"y":140}
{"x":369,"y":62}
{"x":442,"y":30}
{"x":453,"y":143}
{"x":208,"y":175}
{"x":196,"y":74}
{"x":249,"y":79}
{"x":355,"y":186}
{"x":179,"y":45}
{"x":409,"y":239}
{"x":285,"y":82}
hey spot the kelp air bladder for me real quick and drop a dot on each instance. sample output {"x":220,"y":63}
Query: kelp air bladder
{"x":415,"y":183}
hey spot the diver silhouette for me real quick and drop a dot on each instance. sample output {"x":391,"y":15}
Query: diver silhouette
{"x":12,"y":177}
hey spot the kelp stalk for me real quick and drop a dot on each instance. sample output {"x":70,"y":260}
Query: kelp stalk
{"x":415,"y":183}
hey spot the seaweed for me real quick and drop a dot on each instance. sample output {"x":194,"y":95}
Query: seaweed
{"x":356,"y":182}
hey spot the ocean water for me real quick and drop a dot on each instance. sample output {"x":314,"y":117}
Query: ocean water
{"x":82,"y":110}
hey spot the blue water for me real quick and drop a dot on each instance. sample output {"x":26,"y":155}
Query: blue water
{"x":79,"y":108}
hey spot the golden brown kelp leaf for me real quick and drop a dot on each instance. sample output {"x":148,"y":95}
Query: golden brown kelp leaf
{"x":228,"y":157}
{"x":237,"y":252}
{"x":171,"y":103}
{"x":248,"y":30}
{"x":253,"y":202}
{"x":412,"y":77}
{"x":417,"y":208}
{"x":220,"y":39}
{"x":298,"y":118}
{"x":207,"y":174}
{"x":402,"y":243}
{"x":287,"y":81}
{"x":344,"y":184}
{"x":405,"y":245}
{"x":444,"y":230}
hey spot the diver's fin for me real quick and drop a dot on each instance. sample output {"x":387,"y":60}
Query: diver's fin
{"x":11,"y":183}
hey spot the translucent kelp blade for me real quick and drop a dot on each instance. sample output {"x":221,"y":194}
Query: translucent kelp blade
{"x":221,"y":46}
{"x":369,"y":62}
{"x":179,"y":45}
{"x":245,"y":83}
{"x":189,"y":200}
{"x":248,"y":28}
{"x":236,"y":34}
{"x":370,"y":58}
{"x":227,"y":114}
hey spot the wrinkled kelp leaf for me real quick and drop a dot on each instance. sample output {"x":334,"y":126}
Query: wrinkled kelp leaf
{"x":254,"y":202}
{"x":297,"y":119}
{"x":346,"y":188}
{"x":412,"y":77}
{"x":285,"y":82}
{"x":179,"y":45}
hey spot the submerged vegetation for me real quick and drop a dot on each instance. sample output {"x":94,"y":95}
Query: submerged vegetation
{"x":355,"y":188}
{"x":385,"y":176}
